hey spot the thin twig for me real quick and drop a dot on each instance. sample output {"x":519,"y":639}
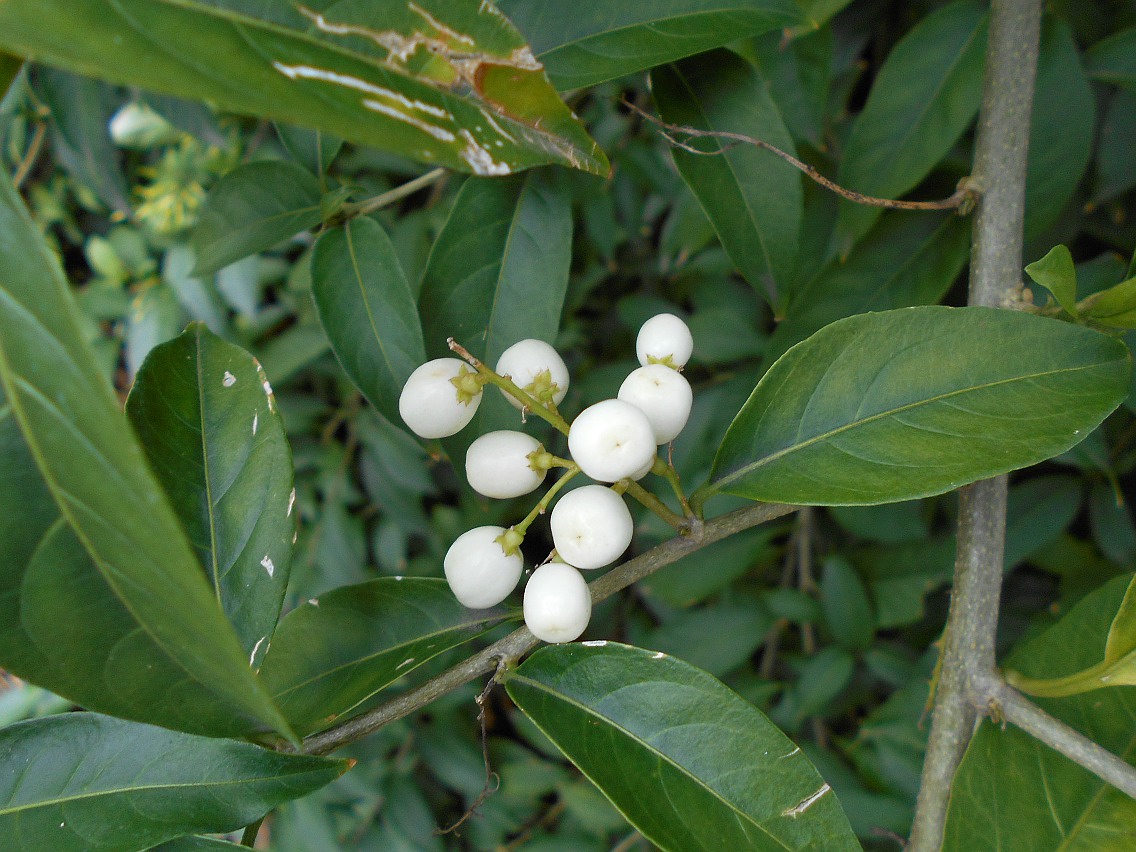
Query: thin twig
{"x":363,"y":208}
{"x":521,"y":641}
{"x":492,"y":780}
{"x":962,"y":199}
{"x":1002,"y":700}
{"x":30,"y":156}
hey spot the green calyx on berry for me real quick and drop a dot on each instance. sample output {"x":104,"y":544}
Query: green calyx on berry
{"x":510,"y":541}
{"x":468,"y":384}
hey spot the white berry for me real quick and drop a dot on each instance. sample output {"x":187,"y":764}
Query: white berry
{"x":610,"y":440}
{"x":431,"y":404}
{"x":664,"y":339}
{"x":537,"y":368}
{"x":662,"y":394}
{"x":479,"y":571}
{"x":591,"y":527}
{"x":497,"y":464}
{"x":557,"y":603}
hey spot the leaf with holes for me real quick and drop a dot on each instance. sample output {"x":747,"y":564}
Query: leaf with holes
{"x":367,"y":309}
{"x":587,"y":42}
{"x":209,"y":425}
{"x":448,"y":82}
{"x":107,"y":604}
{"x":332,"y":653}
{"x":907,"y":403}
{"x":690,"y":763}
{"x":80,"y":782}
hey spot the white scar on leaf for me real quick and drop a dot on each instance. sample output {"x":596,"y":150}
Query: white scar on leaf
{"x":805,"y":803}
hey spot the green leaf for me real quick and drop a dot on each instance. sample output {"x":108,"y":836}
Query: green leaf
{"x":332,"y":653}
{"x":1014,"y":792}
{"x":1061,"y":127}
{"x":165,"y":653}
{"x":847,"y":610}
{"x":1114,"y":168}
{"x":585,"y":43}
{"x":312,"y":149}
{"x":87,"y":783}
{"x":251,"y":209}
{"x":1122,"y":632}
{"x":81,"y":110}
{"x":448,"y":83}
{"x":923,"y":99}
{"x":197,"y":844}
{"x":208,"y":423}
{"x":686,"y":760}
{"x":902,"y":404}
{"x":752,"y":197}
{"x":1113,"y":60}
{"x":367,"y":309}
{"x":498,"y":273}
{"x":9,"y":70}
{"x":1056,"y":274}
{"x":906,"y":259}
{"x":1115,"y":307}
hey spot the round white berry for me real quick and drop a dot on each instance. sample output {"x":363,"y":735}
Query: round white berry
{"x":557,"y":603}
{"x":534,"y":367}
{"x":663,"y":395}
{"x":664,"y":339}
{"x":591,"y":527}
{"x":610,"y":440}
{"x":479,"y":571}
{"x":497,"y":464}
{"x":432,"y":405}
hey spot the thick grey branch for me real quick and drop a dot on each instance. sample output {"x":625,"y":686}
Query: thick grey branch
{"x":996,"y":261}
{"x":521,"y":641}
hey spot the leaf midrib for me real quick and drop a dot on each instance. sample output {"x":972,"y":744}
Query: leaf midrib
{"x":824,"y":436}
{"x":738,"y":813}
{"x":146,"y":788}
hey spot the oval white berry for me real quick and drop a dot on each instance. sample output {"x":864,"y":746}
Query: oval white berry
{"x":557,"y":603}
{"x":662,"y":394}
{"x":431,"y":404}
{"x":610,"y":440}
{"x":497,"y":464}
{"x":535,"y":367}
{"x":591,"y":527}
{"x":664,"y":339}
{"x":479,"y":571}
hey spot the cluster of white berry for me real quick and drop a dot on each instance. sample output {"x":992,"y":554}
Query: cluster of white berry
{"x":613,"y":440}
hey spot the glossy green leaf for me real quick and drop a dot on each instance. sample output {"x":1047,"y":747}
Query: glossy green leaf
{"x":1061,"y":127}
{"x":923,"y":99}
{"x":91,"y":783}
{"x":498,"y":273}
{"x":332,"y":653}
{"x":80,"y":112}
{"x":1012,"y":791}
{"x":209,"y":425}
{"x":1122,"y":632}
{"x":444,"y":82}
{"x":9,"y":70}
{"x":902,"y":404}
{"x":251,"y":209}
{"x":1114,"y":167}
{"x":1056,"y":274}
{"x":367,"y":309}
{"x":687,"y":761}
{"x":585,"y":43}
{"x":906,"y":259}
{"x":196,"y":843}
{"x":165,"y":653}
{"x":1114,"y":307}
{"x":1113,"y":60}
{"x":752,"y":197}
